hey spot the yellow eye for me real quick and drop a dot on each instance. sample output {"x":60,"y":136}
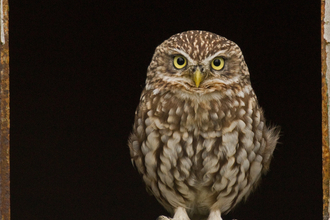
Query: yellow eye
{"x":179,"y":62}
{"x":218,"y":63}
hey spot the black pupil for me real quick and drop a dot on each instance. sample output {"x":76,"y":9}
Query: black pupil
{"x":180,"y":61}
{"x":216,"y":62}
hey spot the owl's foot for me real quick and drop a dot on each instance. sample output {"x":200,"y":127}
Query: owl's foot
{"x":180,"y":214}
{"x":162,"y":217}
{"x":215,"y":215}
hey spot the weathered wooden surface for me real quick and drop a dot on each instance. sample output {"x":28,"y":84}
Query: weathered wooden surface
{"x":4,"y":113}
{"x":325,"y":110}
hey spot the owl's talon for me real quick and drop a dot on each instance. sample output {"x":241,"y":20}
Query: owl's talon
{"x":162,"y":217}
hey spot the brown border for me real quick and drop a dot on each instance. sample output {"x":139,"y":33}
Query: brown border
{"x":4,"y":116}
{"x":325,"y":137}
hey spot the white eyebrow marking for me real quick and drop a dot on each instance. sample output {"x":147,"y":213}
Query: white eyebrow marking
{"x":220,"y":53}
{"x":190,"y":61}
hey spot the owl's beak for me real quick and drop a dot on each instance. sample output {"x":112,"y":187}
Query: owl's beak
{"x":198,"y":77}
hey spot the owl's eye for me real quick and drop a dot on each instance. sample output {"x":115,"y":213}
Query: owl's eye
{"x":218,"y":63}
{"x":179,"y":62}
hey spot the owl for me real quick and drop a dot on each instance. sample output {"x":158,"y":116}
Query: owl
{"x":200,"y":140}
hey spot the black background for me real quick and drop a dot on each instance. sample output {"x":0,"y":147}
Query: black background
{"x":77,"y":70}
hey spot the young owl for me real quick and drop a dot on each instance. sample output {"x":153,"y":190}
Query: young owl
{"x":200,"y":139}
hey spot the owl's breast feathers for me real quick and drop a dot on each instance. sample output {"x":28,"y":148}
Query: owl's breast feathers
{"x":200,"y":151}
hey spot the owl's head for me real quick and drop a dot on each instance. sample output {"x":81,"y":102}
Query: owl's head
{"x":197,"y":62}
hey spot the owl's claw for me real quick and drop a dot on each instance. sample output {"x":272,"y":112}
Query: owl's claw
{"x":162,"y":217}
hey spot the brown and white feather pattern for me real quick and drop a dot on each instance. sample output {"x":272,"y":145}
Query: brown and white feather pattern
{"x":200,"y":149}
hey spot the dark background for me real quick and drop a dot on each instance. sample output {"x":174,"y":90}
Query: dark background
{"x":78,"y":68}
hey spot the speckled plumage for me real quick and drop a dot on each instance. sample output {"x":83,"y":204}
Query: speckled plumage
{"x":202,"y":148}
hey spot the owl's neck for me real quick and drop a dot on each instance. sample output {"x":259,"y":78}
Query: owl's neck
{"x":198,"y":98}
